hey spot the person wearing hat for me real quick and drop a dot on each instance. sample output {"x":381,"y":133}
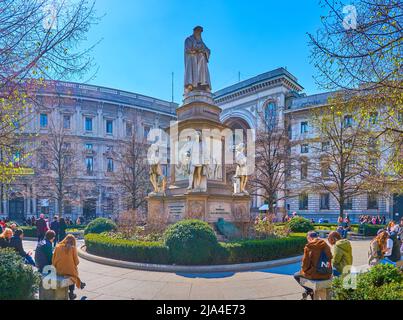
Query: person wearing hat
{"x":316,"y":262}
{"x":197,"y":56}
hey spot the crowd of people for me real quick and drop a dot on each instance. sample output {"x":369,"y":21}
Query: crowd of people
{"x":375,"y":220}
{"x":323,"y":260}
{"x":54,"y":248}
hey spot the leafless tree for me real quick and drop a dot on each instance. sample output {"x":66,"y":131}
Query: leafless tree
{"x":272,"y":160}
{"x":344,"y":156}
{"x":132,"y":171}
{"x":57,"y":166}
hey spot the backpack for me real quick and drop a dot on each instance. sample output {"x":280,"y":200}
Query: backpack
{"x":324,"y":264}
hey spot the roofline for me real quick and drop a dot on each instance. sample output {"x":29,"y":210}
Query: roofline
{"x":270,"y":75}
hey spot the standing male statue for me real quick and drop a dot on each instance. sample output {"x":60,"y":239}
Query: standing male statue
{"x":192,"y":162}
{"x":241,"y":173}
{"x":197,"y":55}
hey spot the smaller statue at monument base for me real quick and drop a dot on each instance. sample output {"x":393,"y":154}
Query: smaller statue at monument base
{"x":157,"y":179}
{"x":240,"y":178}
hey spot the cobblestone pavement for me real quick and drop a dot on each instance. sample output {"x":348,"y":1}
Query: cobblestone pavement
{"x":112,"y":283}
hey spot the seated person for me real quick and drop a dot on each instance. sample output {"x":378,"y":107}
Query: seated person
{"x":316,"y":263}
{"x":16,"y":244}
{"x":44,"y":251}
{"x":342,"y":253}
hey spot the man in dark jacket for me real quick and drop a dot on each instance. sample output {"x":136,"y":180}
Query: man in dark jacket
{"x":55,"y":227}
{"x":41,"y":227}
{"x":44,"y":251}
{"x":316,"y":263}
{"x":16,"y":244}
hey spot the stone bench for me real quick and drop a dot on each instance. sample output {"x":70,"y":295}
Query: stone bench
{"x":321,"y":288}
{"x":54,"y":287}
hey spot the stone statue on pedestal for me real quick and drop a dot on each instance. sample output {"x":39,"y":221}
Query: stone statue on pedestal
{"x":241,"y":174}
{"x":197,"y":55}
{"x":157,"y":179}
{"x":193,"y":166}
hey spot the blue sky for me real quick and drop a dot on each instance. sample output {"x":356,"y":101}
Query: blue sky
{"x":142,"y":41}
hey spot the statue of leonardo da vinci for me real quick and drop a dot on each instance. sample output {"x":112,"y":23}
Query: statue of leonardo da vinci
{"x":197,"y":55}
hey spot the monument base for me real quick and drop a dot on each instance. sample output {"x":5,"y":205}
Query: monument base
{"x":203,"y":206}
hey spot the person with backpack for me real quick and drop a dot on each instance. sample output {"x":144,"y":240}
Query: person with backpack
{"x":316,"y":262}
{"x":342,"y":253}
{"x":44,"y":251}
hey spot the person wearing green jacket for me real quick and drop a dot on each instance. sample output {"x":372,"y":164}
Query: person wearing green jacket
{"x":342,"y":253}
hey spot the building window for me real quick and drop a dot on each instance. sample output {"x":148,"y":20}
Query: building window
{"x":89,"y":146}
{"x":129,"y":129}
{"x":66,"y":122}
{"x":271,"y":116}
{"x":303,"y":201}
{"x":325,"y":201}
{"x":324,"y":169}
{"x":88,"y":124}
{"x":290,"y":132}
{"x":304,"y":127}
{"x":325,"y":146}
{"x":43,"y":120}
{"x":43,"y":163}
{"x":110,"y":165}
{"x":68,"y":209}
{"x":348,"y":204}
{"x":89,"y":164}
{"x":147,"y":130}
{"x":304,"y":169}
{"x":304,"y":148}
{"x":372,"y":201}
{"x":109,"y":126}
{"x":348,"y":121}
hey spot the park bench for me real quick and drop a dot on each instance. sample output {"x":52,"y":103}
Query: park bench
{"x":54,"y":287}
{"x":321,"y":288}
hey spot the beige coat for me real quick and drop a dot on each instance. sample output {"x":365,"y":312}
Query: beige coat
{"x":65,"y":260}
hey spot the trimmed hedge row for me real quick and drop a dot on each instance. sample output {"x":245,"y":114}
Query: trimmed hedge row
{"x":30,"y":232}
{"x":227,"y":253}
{"x":127,"y":250}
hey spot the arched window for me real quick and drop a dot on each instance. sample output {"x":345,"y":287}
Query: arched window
{"x":271,"y":115}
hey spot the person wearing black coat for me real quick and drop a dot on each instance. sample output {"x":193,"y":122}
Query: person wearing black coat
{"x":16,"y":244}
{"x":62,"y":229}
{"x":55,"y":226}
{"x":44,"y":251}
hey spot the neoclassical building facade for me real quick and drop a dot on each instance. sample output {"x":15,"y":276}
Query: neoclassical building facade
{"x":278,"y":91}
{"x":95,"y":120}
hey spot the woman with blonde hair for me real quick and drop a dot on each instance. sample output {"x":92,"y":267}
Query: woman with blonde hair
{"x":65,"y":260}
{"x":378,"y":248}
{"x":5,"y":238}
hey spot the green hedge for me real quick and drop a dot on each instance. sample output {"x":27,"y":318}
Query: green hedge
{"x":127,"y":250}
{"x":227,"y":253}
{"x":263,"y":250}
{"x":17,"y":280}
{"x":100,"y":225}
{"x":299,"y":224}
{"x":381,"y":282}
{"x":191,"y":242}
{"x":30,"y":232}
{"x":371,"y":229}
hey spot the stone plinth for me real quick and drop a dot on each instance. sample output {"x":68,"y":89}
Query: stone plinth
{"x":202,"y":206}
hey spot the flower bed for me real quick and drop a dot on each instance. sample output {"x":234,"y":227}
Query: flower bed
{"x":227,"y":253}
